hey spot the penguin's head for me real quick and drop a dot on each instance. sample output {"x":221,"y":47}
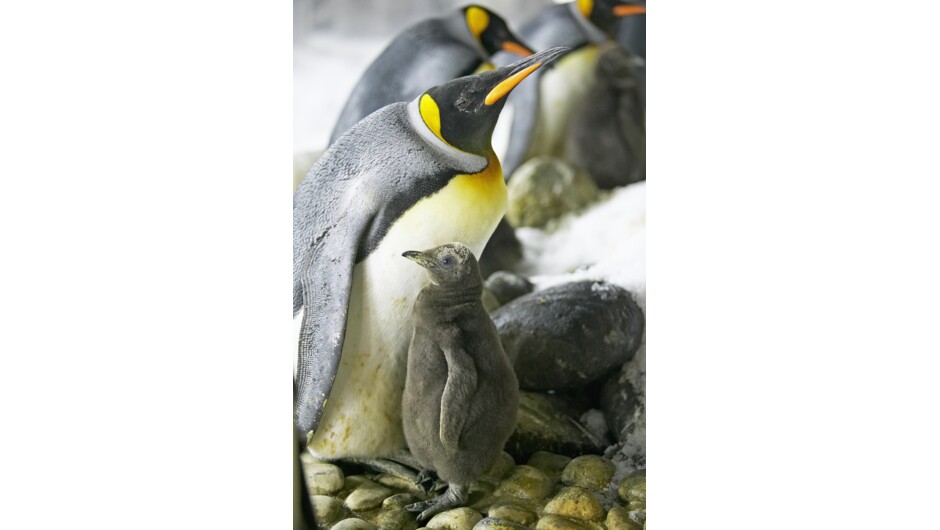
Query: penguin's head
{"x":491,"y":32}
{"x":603,"y":13}
{"x":463,"y":112}
{"x":448,"y":265}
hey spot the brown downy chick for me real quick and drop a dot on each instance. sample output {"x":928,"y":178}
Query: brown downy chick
{"x":461,"y":394}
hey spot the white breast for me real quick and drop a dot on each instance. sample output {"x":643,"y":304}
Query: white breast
{"x":362,"y":417}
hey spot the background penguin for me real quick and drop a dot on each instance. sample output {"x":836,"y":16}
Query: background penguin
{"x":606,"y":134}
{"x":416,"y":174}
{"x":426,"y":54}
{"x":543,"y":107}
{"x":461,"y":393}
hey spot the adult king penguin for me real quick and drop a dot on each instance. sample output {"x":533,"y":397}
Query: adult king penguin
{"x":411,"y":175}
{"x":426,"y":54}
{"x":542,"y":107}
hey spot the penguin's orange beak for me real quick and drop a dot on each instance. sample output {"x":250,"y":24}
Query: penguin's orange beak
{"x":625,"y":10}
{"x":520,"y":70}
{"x":516,"y":48}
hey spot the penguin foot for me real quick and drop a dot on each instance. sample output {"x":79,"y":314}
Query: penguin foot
{"x":455,"y":497}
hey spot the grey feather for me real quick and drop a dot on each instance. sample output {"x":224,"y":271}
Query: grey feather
{"x":343,"y":207}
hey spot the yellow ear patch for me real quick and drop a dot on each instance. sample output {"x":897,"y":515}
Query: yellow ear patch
{"x":477,"y":20}
{"x":431,"y":114}
{"x":586,"y":6}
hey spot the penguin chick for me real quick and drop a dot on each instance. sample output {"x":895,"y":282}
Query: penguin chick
{"x":431,"y":52}
{"x":461,"y":394}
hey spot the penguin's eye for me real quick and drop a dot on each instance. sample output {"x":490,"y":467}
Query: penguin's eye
{"x":447,"y":261}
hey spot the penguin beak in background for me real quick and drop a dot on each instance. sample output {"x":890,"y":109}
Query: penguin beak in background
{"x":625,"y":10}
{"x":420,"y":258}
{"x":516,"y":72}
{"x":516,"y":48}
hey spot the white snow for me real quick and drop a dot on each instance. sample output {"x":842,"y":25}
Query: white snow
{"x":606,"y":242}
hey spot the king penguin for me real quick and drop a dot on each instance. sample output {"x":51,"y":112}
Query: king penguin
{"x":410,"y":175}
{"x":543,"y":107}
{"x":429,"y":53}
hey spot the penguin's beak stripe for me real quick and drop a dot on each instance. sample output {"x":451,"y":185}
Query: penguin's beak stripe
{"x":506,"y":85}
{"x":516,"y":48}
{"x":625,"y":10}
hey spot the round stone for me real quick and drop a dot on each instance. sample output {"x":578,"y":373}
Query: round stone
{"x":500,"y":467}
{"x":367,"y":496}
{"x":323,"y":479}
{"x":526,"y":482}
{"x":577,"y":503}
{"x":618,"y":518}
{"x":456,"y":519}
{"x":545,"y":188}
{"x":396,"y":519}
{"x":490,"y":302}
{"x":512,"y":512}
{"x":495,"y":523}
{"x":550,"y":463}
{"x":400,"y":500}
{"x":559,"y":522}
{"x":327,"y":510}
{"x":632,"y":490}
{"x":353,"y":523}
{"x":543,"y":424}
{"x":569,"y":335}
{"x":398,"y":483}
{"x":589,"y":471}
{"x":507,"y":286}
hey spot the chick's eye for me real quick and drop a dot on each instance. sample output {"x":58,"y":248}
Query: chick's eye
{"x":446,"y":261}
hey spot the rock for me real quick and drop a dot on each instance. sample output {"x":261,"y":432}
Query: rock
{"x":495,"y":523}
{"x":577,"y":503}
{"x":526,"y":482}
{"x":327,"y":510}
{"x":352,"y":482}
{"x":398,"y":483}
{"x":545,"y":188}
{"x":618,"y":518}
{"x":490,"y":302}
{"x":569,"y":335}
{"x":589,"y":472}
{"x":367,"y":496}
{"x":622,"y":405}
{"x":607,"y":134}
{"x":550,"y":463}
{"x":400,"y":500}
{"x":632,"y":490}
{"x":480,"y":496}
{"x":513,"y":512}
{"x":502,"y":252}
{"x":353,"y":523}
{"x":323,"y":479}
{"x":504,"y":462}
{"x":507,"y":286}
{"x":542,"y":426}
{"x":559,"y":522}
{"x":396,"y":519}
{"x":456,"y":519}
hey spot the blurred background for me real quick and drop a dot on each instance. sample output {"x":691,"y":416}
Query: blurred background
{"x":335,"y":40}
